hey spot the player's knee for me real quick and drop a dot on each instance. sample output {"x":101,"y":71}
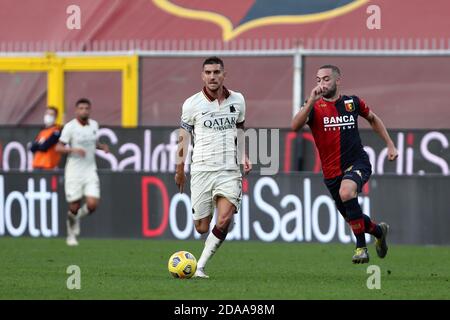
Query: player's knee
{"x":346,"y":194}
{"x":73,"y":208}
{"x":91,"y":207}
{"x":202,"y":229}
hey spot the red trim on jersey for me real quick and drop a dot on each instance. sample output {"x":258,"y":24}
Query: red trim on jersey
{"x":363,"y":108}
{"x":210,"y":98}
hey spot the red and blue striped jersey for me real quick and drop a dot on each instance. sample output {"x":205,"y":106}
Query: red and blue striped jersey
{"x":334,"y":126}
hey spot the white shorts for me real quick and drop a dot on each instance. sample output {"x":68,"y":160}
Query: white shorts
{"x":207,"y":186}
{"x":77,"y":187}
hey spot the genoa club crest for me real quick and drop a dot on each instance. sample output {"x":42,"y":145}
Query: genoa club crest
{"x":349,"y":105}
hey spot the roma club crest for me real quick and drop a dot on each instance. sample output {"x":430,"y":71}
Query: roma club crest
{"x":238,"y":16}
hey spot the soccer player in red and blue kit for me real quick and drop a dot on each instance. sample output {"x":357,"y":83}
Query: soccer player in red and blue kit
{"x":332,"y":118}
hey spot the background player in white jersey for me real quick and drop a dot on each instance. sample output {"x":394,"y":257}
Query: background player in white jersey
{"x":79,"y":141}
{"x":213,"y":116}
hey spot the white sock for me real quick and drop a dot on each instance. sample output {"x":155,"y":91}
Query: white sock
{"x":83,"y":211}
{"x":212,"y":243}
{"x":71,"y":215}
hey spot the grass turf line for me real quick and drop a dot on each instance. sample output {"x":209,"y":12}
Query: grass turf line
{"x":137,"y":269}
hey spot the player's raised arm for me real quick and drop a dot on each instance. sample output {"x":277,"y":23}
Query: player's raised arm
{"x":301,"y":117}
{"x":182,"y":151}
{"x":379,"y":127}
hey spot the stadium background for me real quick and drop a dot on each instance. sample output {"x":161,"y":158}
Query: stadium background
{"x":138,"y":60}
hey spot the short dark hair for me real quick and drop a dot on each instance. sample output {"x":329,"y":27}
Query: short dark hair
{"x":54,"y":109}
{"x":83,"y":100}
{"x":213,"y":60}
{"x":332,"y":67}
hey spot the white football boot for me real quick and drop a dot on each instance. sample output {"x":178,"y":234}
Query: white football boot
{"x":71,"y":241}
{"x":200,"y":273}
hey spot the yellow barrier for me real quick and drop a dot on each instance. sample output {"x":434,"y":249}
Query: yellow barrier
{"x":55,"y":67}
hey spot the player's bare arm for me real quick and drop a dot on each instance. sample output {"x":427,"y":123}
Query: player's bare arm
{"x":102,"y":146}
{"x":301,"y":117}
{"x":246,"y":161}
{"x":182,"y":150}
{"x":61,"y":148}
{"x":379,"y":127}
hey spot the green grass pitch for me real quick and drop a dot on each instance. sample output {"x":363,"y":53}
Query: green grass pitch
{"x":137,"y":269}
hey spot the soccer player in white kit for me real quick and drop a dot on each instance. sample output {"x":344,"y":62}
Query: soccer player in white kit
{"x":213,"y":116}
{"x":79,"y":141}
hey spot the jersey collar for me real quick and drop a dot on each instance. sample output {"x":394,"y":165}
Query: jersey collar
{"x":83,"y":124}
{"x":210,"y":98}
{"x":332,"y":102}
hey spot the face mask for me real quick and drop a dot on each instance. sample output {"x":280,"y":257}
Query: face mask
{"x":49,"y":120}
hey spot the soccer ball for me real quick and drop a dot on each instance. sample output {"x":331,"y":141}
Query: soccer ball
{"x":182,"y":264}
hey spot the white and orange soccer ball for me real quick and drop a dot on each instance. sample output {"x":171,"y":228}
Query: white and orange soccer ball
{"x":182,"y":264}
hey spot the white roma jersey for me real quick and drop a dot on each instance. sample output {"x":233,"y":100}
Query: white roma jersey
{"x":80,"y":136}
{"x":213,"y":127}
